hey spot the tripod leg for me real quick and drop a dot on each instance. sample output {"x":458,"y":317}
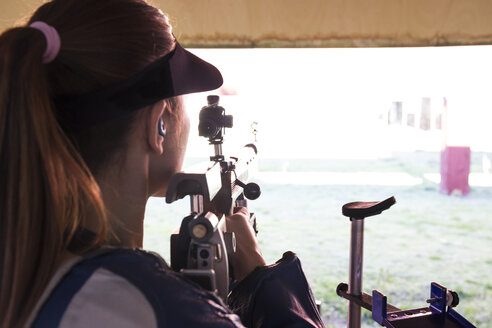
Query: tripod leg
{"x":355,"y":270}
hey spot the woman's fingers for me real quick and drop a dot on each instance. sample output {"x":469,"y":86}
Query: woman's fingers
{"x":248,"y":255}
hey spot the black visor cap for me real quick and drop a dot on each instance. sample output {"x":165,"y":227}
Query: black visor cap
{"x":178,"y":73}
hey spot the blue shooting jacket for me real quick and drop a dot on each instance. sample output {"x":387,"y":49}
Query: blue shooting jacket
{"x":135,"y":288}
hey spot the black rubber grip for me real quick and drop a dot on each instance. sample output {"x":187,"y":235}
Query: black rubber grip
{"x":360,"y":210}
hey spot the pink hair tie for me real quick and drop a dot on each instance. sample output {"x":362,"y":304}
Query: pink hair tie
{"x":53,"y":42}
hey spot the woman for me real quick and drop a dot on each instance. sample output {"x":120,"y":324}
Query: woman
{"x":91,"y":126}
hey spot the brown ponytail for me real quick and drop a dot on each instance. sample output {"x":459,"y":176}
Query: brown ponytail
{"x":47,"y":188}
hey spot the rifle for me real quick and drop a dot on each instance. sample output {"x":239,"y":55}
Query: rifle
{"x":201,"y":248}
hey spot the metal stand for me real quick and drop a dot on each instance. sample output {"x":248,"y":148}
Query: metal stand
{"x":357,"y":212}
{"x":438,"y":315}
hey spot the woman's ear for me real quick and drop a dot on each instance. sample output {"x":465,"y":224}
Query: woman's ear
{"x":156,"y":127}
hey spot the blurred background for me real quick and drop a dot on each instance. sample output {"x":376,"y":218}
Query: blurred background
{"x":342,"y":125}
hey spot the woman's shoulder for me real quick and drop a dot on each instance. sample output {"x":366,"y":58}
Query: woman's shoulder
{"x":105,"y":299}
{"x":132,"y":288}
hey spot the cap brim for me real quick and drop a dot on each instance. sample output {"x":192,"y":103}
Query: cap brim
{"x":179,"y":72}
{"x":192,"y":74}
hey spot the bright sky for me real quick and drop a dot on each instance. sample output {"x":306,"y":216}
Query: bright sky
{"x":325,"y":103}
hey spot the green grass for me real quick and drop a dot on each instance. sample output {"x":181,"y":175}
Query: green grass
{"x":425,"y":237}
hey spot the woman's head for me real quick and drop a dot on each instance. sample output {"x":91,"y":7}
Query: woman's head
{"x":103,"y":42}
{"x":48,"y":161}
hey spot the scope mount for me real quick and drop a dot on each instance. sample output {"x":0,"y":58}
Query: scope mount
{"x":212,"y":124}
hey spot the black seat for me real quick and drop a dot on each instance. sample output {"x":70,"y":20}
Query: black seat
{"x":360,"y":210}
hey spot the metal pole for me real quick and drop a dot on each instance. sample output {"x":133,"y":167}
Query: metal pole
{"x":355,"y":270}
{"x":218,"y":149}
{"x":196,"y":203}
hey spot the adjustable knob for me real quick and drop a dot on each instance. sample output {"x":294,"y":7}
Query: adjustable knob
{"x":251,"y":190}
{"x":452,"y":299}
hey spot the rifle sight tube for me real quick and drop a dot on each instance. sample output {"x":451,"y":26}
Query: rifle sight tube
{"x":218,"y":149}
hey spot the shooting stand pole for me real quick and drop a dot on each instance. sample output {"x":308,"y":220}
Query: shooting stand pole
{"x":355,"y":270}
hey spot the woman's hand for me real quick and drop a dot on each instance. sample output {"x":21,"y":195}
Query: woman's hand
{"x":248,"y":255}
